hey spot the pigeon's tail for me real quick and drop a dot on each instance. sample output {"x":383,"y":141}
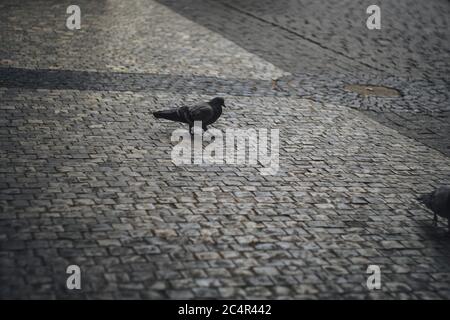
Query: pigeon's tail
{"x":171,"y":114}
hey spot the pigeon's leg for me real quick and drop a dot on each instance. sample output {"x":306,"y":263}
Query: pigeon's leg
{"x":204,"y":127}
{"x":435,"y":220}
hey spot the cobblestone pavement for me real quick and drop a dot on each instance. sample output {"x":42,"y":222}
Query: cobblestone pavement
{"x":86,"y":175}
{"x":326,"y":45}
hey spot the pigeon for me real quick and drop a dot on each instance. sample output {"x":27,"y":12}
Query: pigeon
{"x":439,"y":202}
{"x":207,"y":113}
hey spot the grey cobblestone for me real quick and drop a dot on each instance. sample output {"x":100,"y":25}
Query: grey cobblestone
{"x":325,"y":45}
{"x":234,"y":253}
{"x":86,"y":175}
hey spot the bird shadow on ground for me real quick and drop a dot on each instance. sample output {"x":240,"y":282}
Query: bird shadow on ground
{"x":438,"y":234}
{"x":437,"y":247}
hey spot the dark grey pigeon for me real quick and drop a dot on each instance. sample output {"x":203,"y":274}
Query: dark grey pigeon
{"x":439,"y":202}
{"x":207,"y":113}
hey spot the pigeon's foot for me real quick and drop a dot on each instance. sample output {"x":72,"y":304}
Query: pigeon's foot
{"x":191,"y":130}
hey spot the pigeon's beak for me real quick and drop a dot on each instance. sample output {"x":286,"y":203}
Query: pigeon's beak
{"x":224,"y":105}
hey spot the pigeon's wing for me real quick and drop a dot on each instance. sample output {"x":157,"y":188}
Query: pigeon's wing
{"x":201,"y":112}
{"x":216,"y":115}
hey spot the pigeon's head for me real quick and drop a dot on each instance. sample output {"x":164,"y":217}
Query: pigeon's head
{"x":425,"y":199}
{"x":218,"y":101}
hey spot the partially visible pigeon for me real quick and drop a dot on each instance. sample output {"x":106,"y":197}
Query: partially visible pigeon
{"x":207,"y":113}
{"x":439,"y":202}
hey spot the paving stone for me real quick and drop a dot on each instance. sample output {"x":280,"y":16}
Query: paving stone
{"x":86,"y":175}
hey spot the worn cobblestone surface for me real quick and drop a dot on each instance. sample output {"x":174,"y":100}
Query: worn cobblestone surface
{"x":326,"y":45}
{"x":86,"y":175}
{"x":121,"y":37}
